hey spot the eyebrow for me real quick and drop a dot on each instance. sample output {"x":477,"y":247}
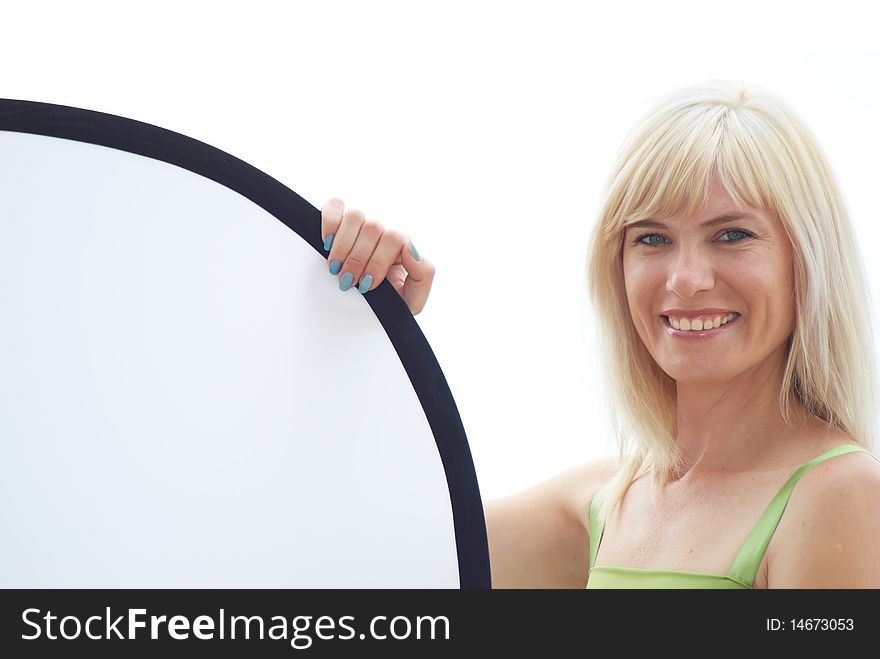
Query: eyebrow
{"x":721,"y":219}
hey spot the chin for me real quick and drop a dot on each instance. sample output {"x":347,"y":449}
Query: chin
{"x":691,"y":373}
{"x":703,"y":382}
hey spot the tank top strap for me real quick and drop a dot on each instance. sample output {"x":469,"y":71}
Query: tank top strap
{"x":748,"y":559}
{"x":596,"y":524}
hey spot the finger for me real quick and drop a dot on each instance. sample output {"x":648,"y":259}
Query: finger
{"x":360,"y":254}
{"x":419,"y":278}
{"x":386,"y":254}
{"x":331,"y":218}
{"x":343,"y":241}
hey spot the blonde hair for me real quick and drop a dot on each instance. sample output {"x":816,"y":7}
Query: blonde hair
{"x":766,"y":158}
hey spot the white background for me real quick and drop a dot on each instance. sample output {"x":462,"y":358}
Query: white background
{"x":485,"y":130}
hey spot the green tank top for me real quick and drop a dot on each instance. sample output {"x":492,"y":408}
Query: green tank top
{"x":745,"y":565}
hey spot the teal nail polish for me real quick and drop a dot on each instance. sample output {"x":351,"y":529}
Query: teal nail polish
{"x":335,"y":266}
{"x":328,"y":242}
{"x":345,"y":284}
{"x":414,"y":251}
{"x":365,"y":284}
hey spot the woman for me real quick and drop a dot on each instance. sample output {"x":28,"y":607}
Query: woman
{"x":734,"y":330}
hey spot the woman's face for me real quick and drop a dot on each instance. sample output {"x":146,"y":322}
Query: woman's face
{"x":731,"y":279}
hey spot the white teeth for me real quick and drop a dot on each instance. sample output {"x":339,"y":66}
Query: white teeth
{"x":701,"y":323}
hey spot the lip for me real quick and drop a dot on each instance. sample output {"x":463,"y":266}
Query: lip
{"x":688,"y":313}
{"x":696,"y":335}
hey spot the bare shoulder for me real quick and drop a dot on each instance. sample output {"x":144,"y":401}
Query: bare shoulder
{"x":831,"y":527}
{"x":578,"y":485}
{"x":571,"y":491}
{"x":538,"y":537}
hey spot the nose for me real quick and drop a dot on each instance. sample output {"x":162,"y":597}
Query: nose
{"x":690,"y":273}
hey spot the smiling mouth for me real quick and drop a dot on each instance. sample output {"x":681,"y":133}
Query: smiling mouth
{"x":723,"y":322}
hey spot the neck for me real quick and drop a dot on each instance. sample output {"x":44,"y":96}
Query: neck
{"x":728,"y":427}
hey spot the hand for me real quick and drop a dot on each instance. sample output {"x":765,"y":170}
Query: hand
{"x":363,"y":253}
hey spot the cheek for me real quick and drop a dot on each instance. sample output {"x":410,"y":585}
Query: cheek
{"x":789,"y":297}
{"x":641,"y":284}
{"x":631,"y":283}
{"x":768,"y":290}
{"x":787,"y":300}
{"x":642,"y":277}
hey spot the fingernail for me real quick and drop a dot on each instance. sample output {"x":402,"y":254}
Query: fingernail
{"x":366,"y":282}
{"x":345,"y":284}
{"x":414,"y":252}
{"x":335,"y":267}
{"x":328,"y":242}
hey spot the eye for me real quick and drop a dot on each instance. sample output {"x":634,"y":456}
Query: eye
{"x":744,"y":235}
{"x":656,"y":240}
{"x":640,"y":240}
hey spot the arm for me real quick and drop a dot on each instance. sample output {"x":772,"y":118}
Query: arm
{"x":539,"y":538}
{"x":834,"y":540}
